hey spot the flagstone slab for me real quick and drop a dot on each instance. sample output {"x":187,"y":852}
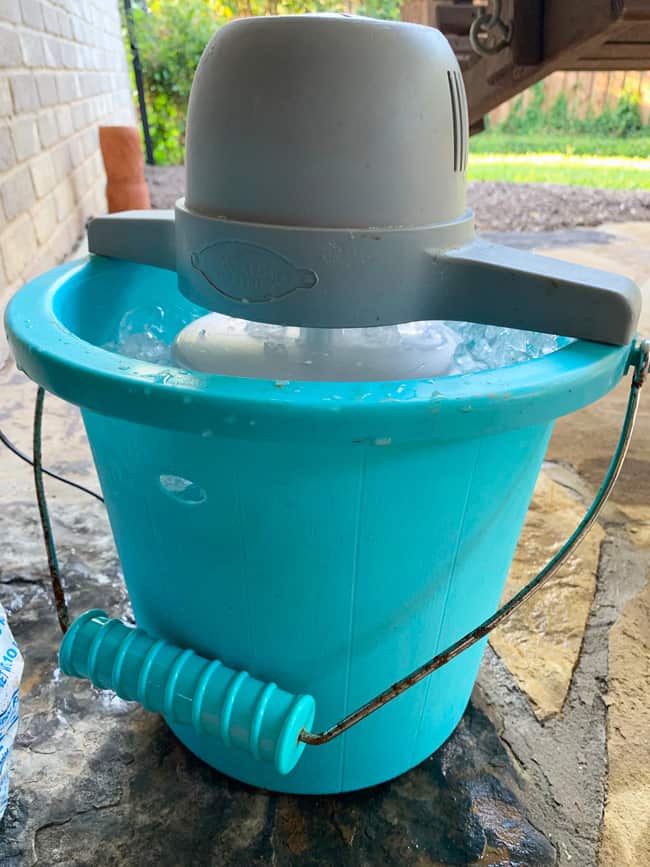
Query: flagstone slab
{"x":626,"y":824}
{"x":541,"y":642}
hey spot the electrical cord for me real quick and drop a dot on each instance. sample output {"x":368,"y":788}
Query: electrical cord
{"x":4,"y":439}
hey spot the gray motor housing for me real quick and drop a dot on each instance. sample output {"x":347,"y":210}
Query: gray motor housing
{"x":325,"y":164}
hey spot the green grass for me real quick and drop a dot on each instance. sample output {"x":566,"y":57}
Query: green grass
{"x":617,"y":173}
{"x":561,"y":159}
{"x":496,"y":142}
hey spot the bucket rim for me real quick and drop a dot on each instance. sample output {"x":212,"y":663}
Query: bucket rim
{"x":519,"y":395}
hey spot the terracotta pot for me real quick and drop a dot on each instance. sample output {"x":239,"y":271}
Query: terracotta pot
{"x":126,"y":187}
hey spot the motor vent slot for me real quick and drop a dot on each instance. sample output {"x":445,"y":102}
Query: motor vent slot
{"x":459,"y":119}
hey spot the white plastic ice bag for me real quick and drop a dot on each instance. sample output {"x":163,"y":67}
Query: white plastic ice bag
{"x":11,"y":669}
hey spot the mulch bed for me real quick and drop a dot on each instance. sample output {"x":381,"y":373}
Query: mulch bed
{"x":499,"y":207}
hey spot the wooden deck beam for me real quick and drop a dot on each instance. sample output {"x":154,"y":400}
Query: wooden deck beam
{"x":569,"y":32}
{"x":547,"y":35}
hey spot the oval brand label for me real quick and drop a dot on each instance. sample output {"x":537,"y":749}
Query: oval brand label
{"x":250,"y":274}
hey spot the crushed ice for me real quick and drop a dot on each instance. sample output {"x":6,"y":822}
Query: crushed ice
{"x":141,"y":335}
{"x":146,"y":334}
{"x":484,"y":347}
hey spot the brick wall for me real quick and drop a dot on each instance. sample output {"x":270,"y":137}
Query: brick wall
{"x":63,"y":71}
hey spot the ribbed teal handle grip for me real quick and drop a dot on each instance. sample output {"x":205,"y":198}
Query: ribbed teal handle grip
{"x":188,"y":689}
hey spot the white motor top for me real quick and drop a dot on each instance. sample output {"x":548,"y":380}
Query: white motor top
{"x":327,"y":121}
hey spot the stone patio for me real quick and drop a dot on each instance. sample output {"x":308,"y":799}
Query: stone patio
{"x":550,"y":765}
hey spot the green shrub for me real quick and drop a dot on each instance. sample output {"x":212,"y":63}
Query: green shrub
{"x":529,"y":118}
{"x":621,"y":120}
{"x":171,"y":35}
{"x":558,"y":116}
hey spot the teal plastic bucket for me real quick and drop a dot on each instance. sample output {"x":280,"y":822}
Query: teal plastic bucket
{"x":328,"y":537}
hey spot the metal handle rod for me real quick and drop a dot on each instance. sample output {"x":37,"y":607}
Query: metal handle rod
{"x":52,"y":561}
{"x":640,"y":360}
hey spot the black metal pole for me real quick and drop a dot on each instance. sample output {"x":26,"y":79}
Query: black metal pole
{"x":137,"y":71}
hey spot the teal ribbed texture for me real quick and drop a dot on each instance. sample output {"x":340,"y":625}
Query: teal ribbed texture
{"x":188,"y":689}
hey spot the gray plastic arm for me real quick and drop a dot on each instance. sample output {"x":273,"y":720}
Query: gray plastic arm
{"x":496,"y":285}
{"x":147,"y":237}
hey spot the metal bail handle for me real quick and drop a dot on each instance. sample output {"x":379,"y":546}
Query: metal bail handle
{"x":639,"y":360}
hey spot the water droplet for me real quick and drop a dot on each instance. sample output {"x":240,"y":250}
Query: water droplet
{"x":183,"y":490}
